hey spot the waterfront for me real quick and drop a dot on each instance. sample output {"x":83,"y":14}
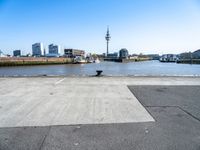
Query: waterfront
{"x":146,"y":68}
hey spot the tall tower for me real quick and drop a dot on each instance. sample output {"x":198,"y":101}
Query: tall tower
{"x":108,"y":37}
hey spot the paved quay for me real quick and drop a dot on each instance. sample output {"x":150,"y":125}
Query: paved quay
{"x":100,"y":113}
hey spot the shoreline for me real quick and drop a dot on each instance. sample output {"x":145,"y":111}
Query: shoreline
{"x":36,"y":61}
{"x":102,"y":76}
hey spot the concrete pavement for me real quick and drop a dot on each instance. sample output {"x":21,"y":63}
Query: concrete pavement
{"x":56,"y":101}
{"x":173,"y":102}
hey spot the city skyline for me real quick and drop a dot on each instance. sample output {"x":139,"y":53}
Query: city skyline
{"x":147,"y":26}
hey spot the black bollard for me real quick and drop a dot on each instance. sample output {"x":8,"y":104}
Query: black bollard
{"x":99,"y":73}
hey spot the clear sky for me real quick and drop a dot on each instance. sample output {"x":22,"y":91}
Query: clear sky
{"x":141,"y":26}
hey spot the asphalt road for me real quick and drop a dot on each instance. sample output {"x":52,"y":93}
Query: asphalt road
{"x":177,"y":127}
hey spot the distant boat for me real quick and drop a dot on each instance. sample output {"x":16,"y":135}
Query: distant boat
{"x":80,"y":60}
{"x":90,"y":61}
{"x":97,"y":61}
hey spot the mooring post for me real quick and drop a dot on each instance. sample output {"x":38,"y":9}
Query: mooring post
{"x":99,"y":73}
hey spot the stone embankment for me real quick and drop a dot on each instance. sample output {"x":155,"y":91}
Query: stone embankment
{"x":22,"y":61}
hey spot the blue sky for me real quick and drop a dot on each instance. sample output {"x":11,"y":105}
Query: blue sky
{"x":141,"y":26}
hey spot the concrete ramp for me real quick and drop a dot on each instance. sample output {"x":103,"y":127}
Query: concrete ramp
{"x":53,"y":101}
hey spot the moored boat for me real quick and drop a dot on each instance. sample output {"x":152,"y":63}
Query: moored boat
{"x":80,"y":60}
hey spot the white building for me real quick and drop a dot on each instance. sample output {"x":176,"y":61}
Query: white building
{"x":37,"y":49}
{"x":169,"y":58}
{"x":1,"y":54}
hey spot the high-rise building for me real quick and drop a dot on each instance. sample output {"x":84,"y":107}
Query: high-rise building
{"x":37,"y":49}
{"x":44,"y":52}
{"x":17,"y":53}
{"x":54,"y":49}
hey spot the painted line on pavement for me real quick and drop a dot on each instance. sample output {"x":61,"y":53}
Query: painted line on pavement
{"x":59,"y":81}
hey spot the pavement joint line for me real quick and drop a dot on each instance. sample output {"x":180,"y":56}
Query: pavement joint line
{"x":44,"y":139}
{"x":185,"y":111}
{"x":161,"y":106}
{"x":128,"y":86}
{"x":198,"y":119}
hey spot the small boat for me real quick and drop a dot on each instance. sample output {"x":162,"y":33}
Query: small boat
{"x":97,"y":61}
{"x":80,"y":60}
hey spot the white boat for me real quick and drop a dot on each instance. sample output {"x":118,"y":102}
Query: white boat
{"x":79,"y":60}
{"x":97,"y":61}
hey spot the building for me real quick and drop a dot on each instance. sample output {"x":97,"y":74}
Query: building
{"x":123,"y":53}
{"x":133,"y":56}
{"x":1,"y":54}
{"x":16,"y":53}
{"x":190,"y":55}
{"x":169,"y":58}
{"x":112,"y":55}
{"x":37,"y":49}
{"x":186,"y":55}
{"x":54,"y":49}
{"x":154,"y":56}
{"x":45,"y":52}
{"x":196,"y":54}
{"x":73,"y":53}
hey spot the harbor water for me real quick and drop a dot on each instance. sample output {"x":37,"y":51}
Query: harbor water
{"x":145,"y":68}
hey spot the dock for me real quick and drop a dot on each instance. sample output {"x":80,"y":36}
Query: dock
{"x":39,"y":113}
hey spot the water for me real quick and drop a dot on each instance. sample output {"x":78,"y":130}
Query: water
{"x":147,"y":68}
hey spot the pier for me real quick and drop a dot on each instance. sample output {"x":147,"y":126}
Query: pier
{"x":39,"y":113}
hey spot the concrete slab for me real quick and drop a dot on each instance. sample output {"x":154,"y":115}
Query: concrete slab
{"x":60,"y":101}
{"x":185,"y":97}
{"x":24,"y":138}
{"x":173,"y":129}
{"x":177,"y":124}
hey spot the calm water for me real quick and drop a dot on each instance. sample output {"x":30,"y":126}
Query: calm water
{"x":148,"y":68}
